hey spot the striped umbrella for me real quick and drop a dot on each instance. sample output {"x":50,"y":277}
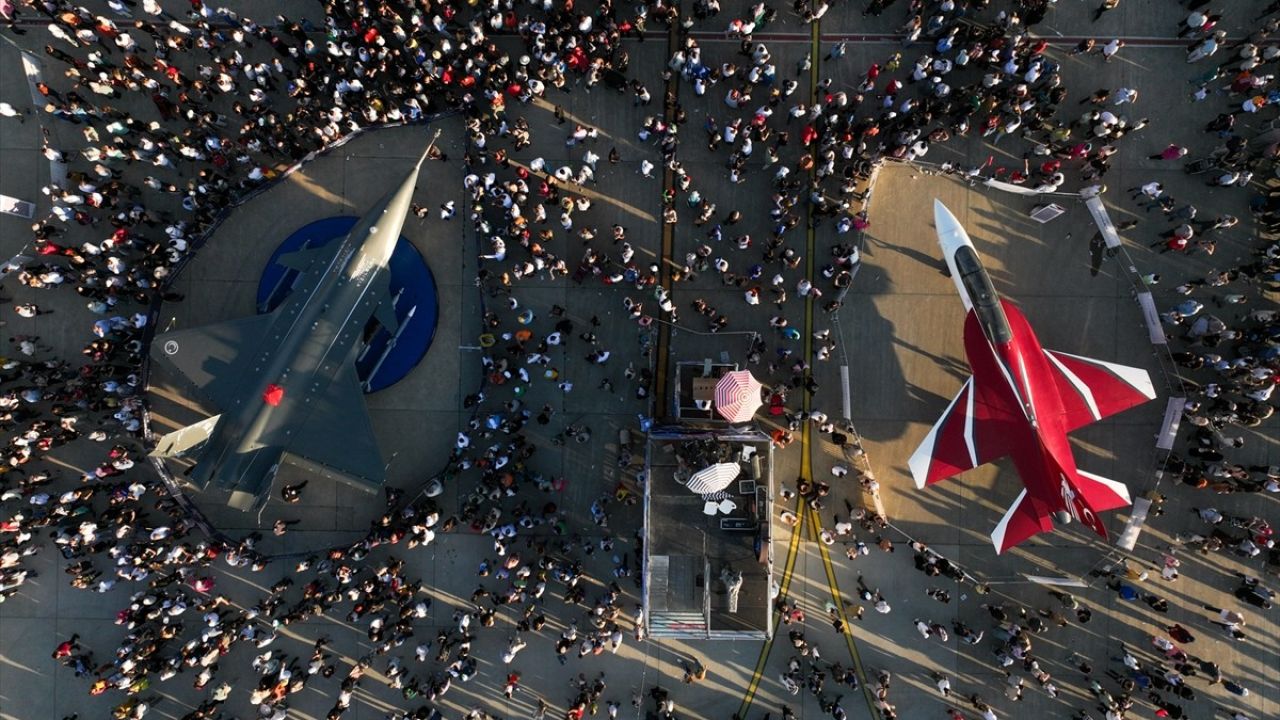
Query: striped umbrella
{"x":714,"y":478}
{"x":738,"y":396}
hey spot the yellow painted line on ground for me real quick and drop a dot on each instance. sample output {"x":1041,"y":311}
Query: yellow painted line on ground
{"x":661,"y":399}
{"x":815,"y":524}
{"x":848,"y":629}
{"x":806,"y":465}
{"x":793,"y":549}
{"x":811,"y":243}
{"x":663,"y":348}
{"x":815,"y":47}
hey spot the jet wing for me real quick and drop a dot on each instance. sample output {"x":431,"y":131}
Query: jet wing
{"x":1092,"y":389}
{"x":969,"y":433}
{"x":207,"y":356}
{"x":336,"y":440}
{"x":303,"y":258}
{"x":982,"y":424}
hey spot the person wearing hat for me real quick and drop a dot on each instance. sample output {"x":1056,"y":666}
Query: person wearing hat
{"x":1252,"y":105}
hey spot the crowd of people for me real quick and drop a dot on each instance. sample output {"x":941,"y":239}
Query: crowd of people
{"x":233,"y":100}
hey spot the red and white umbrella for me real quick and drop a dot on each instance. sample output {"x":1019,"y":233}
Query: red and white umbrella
{"x":714,"y":478}
{"x":738,"y":396}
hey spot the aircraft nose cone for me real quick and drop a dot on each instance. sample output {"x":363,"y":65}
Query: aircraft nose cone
{"x":951,"y":234}
{"x":943,"y":220}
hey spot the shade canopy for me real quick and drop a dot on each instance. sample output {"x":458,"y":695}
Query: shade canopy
{"x":738,"y":396}
{"x":714,"y":478}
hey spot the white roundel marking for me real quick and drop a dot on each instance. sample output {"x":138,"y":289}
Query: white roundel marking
{"x":170,"y":347}
{"x":1068,"y":496}
{"x":1078,"y":510}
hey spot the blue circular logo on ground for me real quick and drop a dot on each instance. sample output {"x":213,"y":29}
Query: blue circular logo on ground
{"x":383,"y":359}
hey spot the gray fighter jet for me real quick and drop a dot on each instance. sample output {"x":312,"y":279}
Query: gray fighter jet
{"x":285,"y":381}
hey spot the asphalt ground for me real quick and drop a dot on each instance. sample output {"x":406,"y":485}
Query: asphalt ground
{"x":900,"y":340}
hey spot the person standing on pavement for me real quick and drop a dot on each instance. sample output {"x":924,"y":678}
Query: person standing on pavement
{"x":1105,"y":6}
{"x":694,"y":671}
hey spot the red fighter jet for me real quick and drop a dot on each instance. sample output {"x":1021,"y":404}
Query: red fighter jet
{"x":1021,"y":401}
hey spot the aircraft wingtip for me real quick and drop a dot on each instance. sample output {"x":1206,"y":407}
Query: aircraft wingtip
{"x":919,"y":475}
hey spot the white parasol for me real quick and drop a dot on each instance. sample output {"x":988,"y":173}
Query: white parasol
{"x":714,"y":478}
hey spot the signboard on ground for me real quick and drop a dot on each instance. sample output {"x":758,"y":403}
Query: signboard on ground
{"x":1044,"y":213}
{"x":14,"y":206}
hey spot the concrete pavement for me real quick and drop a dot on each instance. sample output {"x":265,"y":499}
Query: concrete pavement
{"x":901,"y":334}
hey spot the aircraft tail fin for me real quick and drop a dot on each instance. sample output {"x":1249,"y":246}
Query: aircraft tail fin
{"x":246,"y":501}
{"x":187,"y":442}
{"x":1023,"y":519}
{"x":1086,"y":496}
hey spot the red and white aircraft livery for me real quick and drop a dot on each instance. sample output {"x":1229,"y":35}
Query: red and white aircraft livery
{"x":1021,"y":401}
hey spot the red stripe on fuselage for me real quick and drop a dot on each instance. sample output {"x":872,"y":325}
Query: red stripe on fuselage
{"x":1041,"y":452}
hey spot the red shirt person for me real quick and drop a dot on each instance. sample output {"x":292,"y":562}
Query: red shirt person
{"x":67,"y":647}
